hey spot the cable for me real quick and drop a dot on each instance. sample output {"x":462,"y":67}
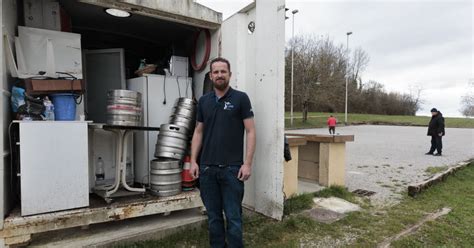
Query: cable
{"x":179,"y":88}
{"x":65,"y":73}
{"x":207,"y":53}
{"x":164,"y":91}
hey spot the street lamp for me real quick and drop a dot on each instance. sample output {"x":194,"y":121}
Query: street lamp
{"x":347,"y":79}
{"x":292,"y":65}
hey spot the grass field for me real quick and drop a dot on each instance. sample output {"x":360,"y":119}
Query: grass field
{"x":317,"y":119}
{"x":366,"y":228}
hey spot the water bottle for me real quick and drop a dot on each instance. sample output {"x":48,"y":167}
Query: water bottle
{"x":99,"y":170}
{"x":49,"y":109}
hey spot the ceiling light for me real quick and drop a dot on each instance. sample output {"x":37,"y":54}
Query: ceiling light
{"x":117,"y":12}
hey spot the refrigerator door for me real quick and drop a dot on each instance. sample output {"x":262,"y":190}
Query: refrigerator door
{"x":158,"y":95}
{"x":105,"y":70}
{"x":54,"y":166}
{"x":140,"y":139}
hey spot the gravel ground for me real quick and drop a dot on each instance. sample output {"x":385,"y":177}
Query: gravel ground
{"x":385,"y":159}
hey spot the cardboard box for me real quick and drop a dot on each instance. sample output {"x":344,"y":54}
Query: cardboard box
{"x":50,"y":86}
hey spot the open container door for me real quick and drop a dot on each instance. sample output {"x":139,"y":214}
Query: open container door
{"x":253,"y":40}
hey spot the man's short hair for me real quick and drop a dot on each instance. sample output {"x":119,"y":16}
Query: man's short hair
{"x":219,"y":59}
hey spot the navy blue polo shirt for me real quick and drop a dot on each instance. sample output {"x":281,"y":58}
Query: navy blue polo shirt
{"x":223,"y":127}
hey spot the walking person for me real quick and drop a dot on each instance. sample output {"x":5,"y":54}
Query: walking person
{"x":332,"y":121}
{"x":223,"y":116}
{"x":436,"y":131}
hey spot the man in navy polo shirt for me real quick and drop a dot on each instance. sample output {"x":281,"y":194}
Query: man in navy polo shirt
{"x":223,"y":116}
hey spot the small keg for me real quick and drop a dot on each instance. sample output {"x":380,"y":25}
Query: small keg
{"x":182,"y":121}
{"x":172,"y":142}
{"x":184,"y":114}
{"x":124,"y":108}
{"x":165,"y":177}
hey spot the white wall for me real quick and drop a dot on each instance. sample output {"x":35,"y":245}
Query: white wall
{"x":9,"y":22}
{"x":258,"y":69}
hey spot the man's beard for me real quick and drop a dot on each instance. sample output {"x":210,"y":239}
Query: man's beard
{"x":221,"y":87}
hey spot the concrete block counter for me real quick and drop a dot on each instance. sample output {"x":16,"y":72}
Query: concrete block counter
{"x":323,"y":159}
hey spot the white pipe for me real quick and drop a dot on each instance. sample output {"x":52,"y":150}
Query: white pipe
{"x":124,"y":164}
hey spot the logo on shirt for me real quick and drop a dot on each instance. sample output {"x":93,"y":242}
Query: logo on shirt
{"x":228,"y":106}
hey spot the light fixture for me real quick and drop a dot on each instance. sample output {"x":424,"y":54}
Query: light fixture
{"x":117,"y":12}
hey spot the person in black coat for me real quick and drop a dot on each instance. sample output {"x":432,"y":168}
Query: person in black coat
{"x":436,"y":131}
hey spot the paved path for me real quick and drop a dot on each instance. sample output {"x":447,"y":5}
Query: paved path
{"x":385,"y":159}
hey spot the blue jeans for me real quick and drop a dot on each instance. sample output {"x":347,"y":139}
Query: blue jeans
{"x":221,"y":190}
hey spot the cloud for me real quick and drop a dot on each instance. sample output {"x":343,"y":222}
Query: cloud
{"x":409,"y":42}
{"x":423,"y":42}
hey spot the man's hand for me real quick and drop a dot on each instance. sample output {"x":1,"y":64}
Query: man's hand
{"x":244,"y":172}
{"x":194,"y":171}
{"x":440,"y":134}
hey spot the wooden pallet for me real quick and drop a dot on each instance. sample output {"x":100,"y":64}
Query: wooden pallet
{"x":18,"y":229}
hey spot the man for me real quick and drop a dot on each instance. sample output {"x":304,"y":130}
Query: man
{"x":222,"y":117}
{"x":332,"y":124}
{"x":436,"y":131}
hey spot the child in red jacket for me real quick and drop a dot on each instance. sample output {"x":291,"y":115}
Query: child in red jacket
{"x":332,"y":124}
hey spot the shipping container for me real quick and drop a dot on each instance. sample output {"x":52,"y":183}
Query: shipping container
{"x":253,"y":40}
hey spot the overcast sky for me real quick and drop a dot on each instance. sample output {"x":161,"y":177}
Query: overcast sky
{"x":410,"y":43}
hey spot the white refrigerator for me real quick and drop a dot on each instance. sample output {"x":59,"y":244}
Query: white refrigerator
{"x":159,"y":94}
{"x":54,"y":166}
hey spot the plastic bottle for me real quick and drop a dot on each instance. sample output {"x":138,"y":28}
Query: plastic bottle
{"x":99,"y":170}
{"x":49,"y":109}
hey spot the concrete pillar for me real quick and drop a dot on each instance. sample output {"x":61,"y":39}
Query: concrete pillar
{"x":309,"y":162}
{"x":290,"y":174}
{"x":332,"y":163}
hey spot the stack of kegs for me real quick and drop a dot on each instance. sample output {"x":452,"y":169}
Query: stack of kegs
{"x":172,"y":145}
{"x":124,"y":107}
{"x":165,"y":177}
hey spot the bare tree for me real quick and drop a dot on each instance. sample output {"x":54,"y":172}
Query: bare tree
{"x":319,"y":67}
{"x":360,"y":60}
{"x":467,"y":101}
{"x":320,"y":70}
{"x":415,"y":97}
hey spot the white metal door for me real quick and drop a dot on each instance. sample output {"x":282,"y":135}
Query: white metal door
{"x":257,"y":59}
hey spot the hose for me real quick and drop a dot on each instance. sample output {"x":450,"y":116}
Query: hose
{"x":207,"y":53}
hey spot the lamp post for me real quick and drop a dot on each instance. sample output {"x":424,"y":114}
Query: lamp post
{"x":292,"y":65}
{"x":347,"y":79}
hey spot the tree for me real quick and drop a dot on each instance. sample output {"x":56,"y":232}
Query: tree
{"x":319,"y":70}
{"x":467,"y":101}
{"x":359,"y":62}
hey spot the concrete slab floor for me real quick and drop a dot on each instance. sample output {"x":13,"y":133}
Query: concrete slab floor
{"x":336,"y":204}
{"x":386,"y":159}
{"x":305,"y":186}
{"x":124,"y":231}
